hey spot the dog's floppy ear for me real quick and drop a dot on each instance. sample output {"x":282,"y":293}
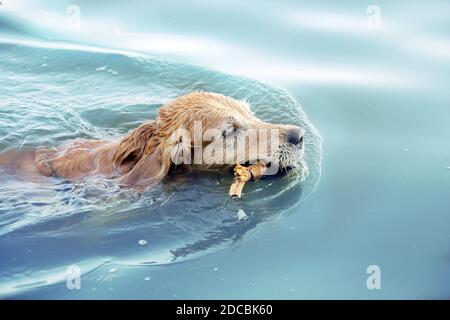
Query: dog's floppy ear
{"x":151,"y":168}
{"x":131,"y":149}
{"x":179,"y":146}
{"x":160,"y":153}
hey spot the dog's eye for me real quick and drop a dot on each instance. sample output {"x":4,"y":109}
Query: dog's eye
{"x":228,"y":131}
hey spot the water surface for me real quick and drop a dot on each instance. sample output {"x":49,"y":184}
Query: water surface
{"x":378,"y":97}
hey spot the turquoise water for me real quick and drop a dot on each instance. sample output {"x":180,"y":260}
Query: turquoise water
{"x":375,"y":87}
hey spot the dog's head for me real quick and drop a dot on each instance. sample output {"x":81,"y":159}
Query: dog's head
{"x":210,"y":130}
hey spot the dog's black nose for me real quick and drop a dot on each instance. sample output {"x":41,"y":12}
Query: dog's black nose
{"x":295,"y":136}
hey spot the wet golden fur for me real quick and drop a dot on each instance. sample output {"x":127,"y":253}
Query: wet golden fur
{"x":144,"y":156}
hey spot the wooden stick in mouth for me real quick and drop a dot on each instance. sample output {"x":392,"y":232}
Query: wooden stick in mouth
{"x":244,"y":174}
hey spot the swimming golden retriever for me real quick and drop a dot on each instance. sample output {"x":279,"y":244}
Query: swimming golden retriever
{"x":199,"y":129}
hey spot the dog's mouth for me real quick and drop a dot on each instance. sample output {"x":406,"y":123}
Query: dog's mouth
{"x":285,"y":159}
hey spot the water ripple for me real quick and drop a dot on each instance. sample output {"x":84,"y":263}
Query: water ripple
{"x":87,"y":221}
